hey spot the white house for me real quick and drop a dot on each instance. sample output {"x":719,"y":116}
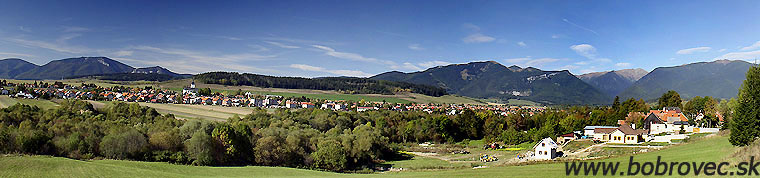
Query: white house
{"x":546,"y":149}
{"x":588,"y":131}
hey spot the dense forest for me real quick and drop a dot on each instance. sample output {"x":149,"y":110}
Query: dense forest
{"x":307,"y":138}
{"x":132,"y":77}
{"x":342,"y":84}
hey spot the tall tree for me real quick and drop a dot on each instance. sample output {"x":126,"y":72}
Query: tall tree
{"x":746,"y":122}
{"x":670,"y":99}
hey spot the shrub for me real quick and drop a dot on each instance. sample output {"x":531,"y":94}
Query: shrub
{"x":330,"y":155}
{"x":200,"y":148}
{"x":123,"y":145}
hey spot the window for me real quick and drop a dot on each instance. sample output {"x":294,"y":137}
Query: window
{"x":543,"y":144}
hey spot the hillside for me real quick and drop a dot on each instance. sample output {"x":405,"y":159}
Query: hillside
{"x":613,"y":82}
{"x":346,"y":85}
{"x":720,"y":79}
{"x":494,"y":81}
{"x":157,"y":70}
{"x":10,"y":68}
{"x":80,"y":66}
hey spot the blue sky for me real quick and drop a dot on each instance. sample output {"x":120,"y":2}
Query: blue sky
{"x":363,"y":38}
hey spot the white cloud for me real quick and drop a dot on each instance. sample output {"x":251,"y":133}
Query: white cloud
{"x":16,"y":55}
{"x":530,"y":62}
{"x":430,"y":64}
{"x":471,"y":27}
{"x":196,"y":61}
{"x":581,"y":63}
{"x":307,"y":67}
{"x":67,"y":37}
{"x":416,"y":47}
{"x":408,"y":66}
{"x":585,"y":50}
{"x":123,"y":53}
{"x":556,"y":36}
{"x":588,"y":51}
{"x":751,"y":47}
{"x":475,"y":35}
{"x":569,"y":67}
{"x":623,"y":65}
{"x":516,"y":60}
{"x":354,"y":73}
{"x":357,"y":57}
{"x":748,"y":55}
{"x":722,"y":50}
{"x":52,"y":46}
{"x":581,"y":27}
{"x":278,"y":44}
{"x":478,"y":38}
{"x":259,"y":48}
{"x":522,"y":44}
{"x":350,"y":56}
{"x":586,"y":71}
{"x":694,"y":50}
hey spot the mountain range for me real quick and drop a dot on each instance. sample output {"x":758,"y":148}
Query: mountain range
{"x":494,"y":81}
{"x":613,"y":83}
{"x":486,"y":80}
{"x":719,"y":79}
{"x":71,"y":67}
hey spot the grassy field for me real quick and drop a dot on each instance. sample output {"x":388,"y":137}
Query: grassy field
{"x":183,"y":111}
{"x":6,"y":101}
{"x":577,"y":145}
{"x":709,"y":149}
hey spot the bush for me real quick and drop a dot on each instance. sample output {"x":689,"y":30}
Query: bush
{"x":166,"y":141}
{"x":200,"y":148}
{"x":123,"y":145}
{"x":330,"y":155}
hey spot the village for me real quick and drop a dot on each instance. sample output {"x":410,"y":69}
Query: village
{"x":190,"y":95}
{"x":660,"y":128}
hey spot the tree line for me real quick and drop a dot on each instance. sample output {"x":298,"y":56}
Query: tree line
{"x":349,"y":85}
{"x":307,"y":138}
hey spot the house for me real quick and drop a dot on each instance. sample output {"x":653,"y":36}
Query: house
{"x":361,"y":109}
{"x":667,"y":120}
{"x":627,"y":135}
{"x":588,"y":131}
{"x":567,"y":137}
{"x":190,"y":90}
{"x":623,"y":134}
{"x":307,"y":105}
{"x":291,"y":104}
{"x":546,"y":149}
{"x":603,"y":134}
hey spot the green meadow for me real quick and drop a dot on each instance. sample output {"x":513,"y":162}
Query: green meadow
{"x":715,"y":148}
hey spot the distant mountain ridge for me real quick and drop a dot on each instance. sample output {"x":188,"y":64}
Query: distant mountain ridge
{"x":10,"y":68}
{"x":719,"y":79}
{"x":71,"y":67}
{"x":490,"y":79}
{"x":155,"y":70}
{"x":613,"y":82}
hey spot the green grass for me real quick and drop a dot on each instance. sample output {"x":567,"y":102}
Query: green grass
{"x":521,"y":102}
{"x":420,"y":162}
{"x":207,"y":112}
{"x":707,"y":149}
{"x":6,"y":101}
{"x":576,"y":145}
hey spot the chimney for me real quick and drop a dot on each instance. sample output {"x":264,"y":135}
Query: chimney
{"x":633,"y":126}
